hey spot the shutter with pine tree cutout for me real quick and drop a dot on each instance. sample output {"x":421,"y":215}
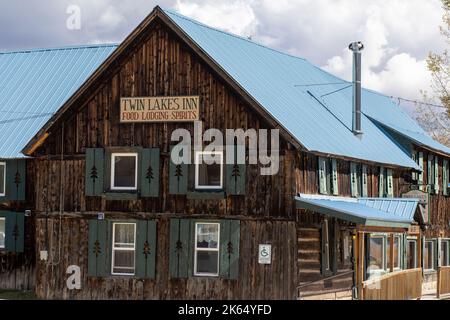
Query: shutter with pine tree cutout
{"x":230,"y":231}
{"x":94,"y":172}
{"x":150,"y":173}
{"x":99,"y":248}
{"x":335,"y":178}
{"x":236,"y":173}
{"x":180,"y":250}
{"x":390,"y":183}
{"x":445,"y":177}
{"x":178,"y":176}
{"x":364,"y":190}
{"x":354,"y":179}
{"x":322,"y":175}
{"x":146,"y":249}
{"x":420,"y":174}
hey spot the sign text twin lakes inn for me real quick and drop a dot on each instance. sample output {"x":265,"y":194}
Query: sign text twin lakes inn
{"x":160,"y":109}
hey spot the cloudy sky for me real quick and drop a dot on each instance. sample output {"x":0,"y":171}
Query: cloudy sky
{"x":398,"y":34}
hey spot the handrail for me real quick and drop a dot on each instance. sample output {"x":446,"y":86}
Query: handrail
{"x":325,"y":279}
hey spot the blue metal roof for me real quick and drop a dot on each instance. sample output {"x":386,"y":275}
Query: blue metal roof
{"x":300,"y":97}
{"x":402,"y":208}
{"x":34,"y":84}
{"x":388,"y":212}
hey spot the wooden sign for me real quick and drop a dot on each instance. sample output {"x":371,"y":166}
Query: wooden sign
{"x":414,"y":229}
{"x":160,"y":109}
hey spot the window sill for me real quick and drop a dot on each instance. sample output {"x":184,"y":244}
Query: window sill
{"x":120,"y":196}
{"x":206,"y":195}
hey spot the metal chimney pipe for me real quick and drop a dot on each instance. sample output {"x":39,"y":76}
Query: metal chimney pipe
{"x":356,"y":48}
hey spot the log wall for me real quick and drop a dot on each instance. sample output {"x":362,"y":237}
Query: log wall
{"x":275,"y":281}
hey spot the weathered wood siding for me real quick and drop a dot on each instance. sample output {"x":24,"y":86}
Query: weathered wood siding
{"x":275,"y":281}
{"x":17,"y":270}
{"x":159,"y":66}
{"x":439,"y":204}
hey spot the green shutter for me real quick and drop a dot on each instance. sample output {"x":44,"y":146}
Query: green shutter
{"x":415,"y":159}
{"x":430,"y":174}
{"x":178,"y":177}
{"x":381,"y":183}
{"x":146,"y":249}
{"x":236,"y":174}
{"x":14,"y":231}
{"x":390,"y":183}
{"x":335,"y":177}
{"x":149,"y":173}
{"x":94,"y":173}
{"x":229,"y":248}
{"x":445,"y":177}
{"x":180,"y":248}
{"x":15,"y":180}
{"x":420,"y":174}
{"x":322,"y":175}
{"x":436,"y":174}
{"x":364,"y":192}
{"x":354,"y":179}
{"x":99,"y":248}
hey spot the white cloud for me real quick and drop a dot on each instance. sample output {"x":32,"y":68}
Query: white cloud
{"x":398,"y":34}
{"x":234,"y":16}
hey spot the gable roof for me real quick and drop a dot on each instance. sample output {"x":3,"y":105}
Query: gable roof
{"x":283,"y":87}
{"x":33,"y":86}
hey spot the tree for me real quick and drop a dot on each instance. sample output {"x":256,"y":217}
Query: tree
{"x":436,"y":120}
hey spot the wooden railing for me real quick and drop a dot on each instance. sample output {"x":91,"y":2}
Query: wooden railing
{"x":402,"y":285}
{"x":443,"y":281}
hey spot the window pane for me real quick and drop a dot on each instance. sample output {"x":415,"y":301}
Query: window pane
{"x":2,"y":233}
{"x":428,"y":255}
{"x":123,"y":261}
{"x":124,"y":235}
{"x":444,"y":253}
{"x":376,"y":259}
{"x":396,"y":252}
{"x":209,"y":168}
{"x":207,"y":235}
{"x":411,"y":255}
{"x":207,"y":262}
{"x":125,"y":171}
{"x":2,"y":178}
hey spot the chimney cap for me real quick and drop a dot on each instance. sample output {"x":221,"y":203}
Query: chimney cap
{"x":356,"y":46}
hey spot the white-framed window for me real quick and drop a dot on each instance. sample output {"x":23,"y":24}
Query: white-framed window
{"x":428,"y":255}
{"x":445,"y":252}
{"x":377,"y":254}
{"x":124,"y":171}
{"x":207,"y":247}
{"x":2,"y":179}
{"x":2,"y":233}
{"x":209,"y":170}
{"x":397,"y":252}
{"x":411,"y":254}
{"x":123,"y":249}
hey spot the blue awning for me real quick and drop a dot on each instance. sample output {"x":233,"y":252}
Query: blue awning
{"x":374,"y":212}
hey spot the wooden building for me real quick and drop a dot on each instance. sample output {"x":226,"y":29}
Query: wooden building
{"x":110,"y":203}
